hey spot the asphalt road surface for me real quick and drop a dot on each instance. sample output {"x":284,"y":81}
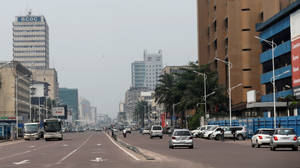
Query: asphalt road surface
{"x":218,"y":154}
{"x":78,"y":150}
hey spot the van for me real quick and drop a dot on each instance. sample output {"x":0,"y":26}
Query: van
{"x":156,"y":131}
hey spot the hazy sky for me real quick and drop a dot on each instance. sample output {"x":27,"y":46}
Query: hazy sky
{"x":93,"y":42}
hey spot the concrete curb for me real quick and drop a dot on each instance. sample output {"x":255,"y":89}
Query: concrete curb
{"x":132,"y":148}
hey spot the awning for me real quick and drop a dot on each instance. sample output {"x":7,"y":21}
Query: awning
{"x":266,"y":104}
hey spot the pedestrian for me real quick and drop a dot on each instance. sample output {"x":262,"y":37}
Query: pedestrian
{"x":279,"y":125}
{"x":124,"y":133}
{"x":233,"y":133}
{"x":222,"y":134}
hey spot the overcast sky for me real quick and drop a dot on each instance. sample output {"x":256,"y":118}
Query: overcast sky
{"x":93,"y":42}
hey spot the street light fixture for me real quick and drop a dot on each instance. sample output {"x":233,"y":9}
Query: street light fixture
{"x":205,"y":104}
{"x":273,"y":45}
{"x":172,"y":121}
{"x":229,"y":65}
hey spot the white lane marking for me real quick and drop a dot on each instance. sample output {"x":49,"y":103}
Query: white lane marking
{"x":21,"y":162}
{"x":99,"y":144}
{"x":131,"y":155}
{"x":98,"y":159}
{"x":31,"y":146}
{"x":65,"y":145}
{"x":75,"y":150}
{"x":16,"y":154}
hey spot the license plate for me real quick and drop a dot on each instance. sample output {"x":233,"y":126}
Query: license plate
{"x":285,"y":138}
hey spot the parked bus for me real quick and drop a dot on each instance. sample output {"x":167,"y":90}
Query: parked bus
{"x":32,"y":131}
{"x":53,"y":129}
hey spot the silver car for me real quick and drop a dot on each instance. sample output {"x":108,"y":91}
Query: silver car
{"x":181,"y":137}
{"x":284,"y":138}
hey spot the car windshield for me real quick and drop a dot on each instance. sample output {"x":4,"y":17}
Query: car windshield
{"x":212,"y":128}
{"x":182,"y":133}
{"x":156,"y":128}
{"x":30,"y":128}
{"x":267,"y":132}
{"x":285,"y":131}
{"x":52,"y":126}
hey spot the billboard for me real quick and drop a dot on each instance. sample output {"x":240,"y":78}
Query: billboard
{"x":163,"y":120}
{"x":58,"y":111}
{"x":295,"y":51}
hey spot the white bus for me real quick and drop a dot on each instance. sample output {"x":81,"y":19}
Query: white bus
{"x":53,"y":129}
{"x":32,"y":131}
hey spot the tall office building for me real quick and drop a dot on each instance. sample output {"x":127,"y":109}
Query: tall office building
{"x":226,"y":30}
{"x":70,"y":98}
{"x":153,"y":67}
{"x":137,"y":74}
{"x":31,"y":41}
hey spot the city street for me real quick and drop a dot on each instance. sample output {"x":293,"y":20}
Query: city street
{"x":218,"y":154}
{"x":77,"y":150}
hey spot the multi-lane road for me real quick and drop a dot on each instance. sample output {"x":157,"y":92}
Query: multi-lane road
{"x":96,"y":149}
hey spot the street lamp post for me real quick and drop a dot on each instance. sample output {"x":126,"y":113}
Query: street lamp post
{"x":205,"y":104}
{"x":172,"y":121}
{"x":229,"y":65}
{"x":273,"y":45}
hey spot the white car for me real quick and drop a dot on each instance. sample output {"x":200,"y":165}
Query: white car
{"x":262,"y":136}
{"x":156,"y":131}
{"x":200,"y":130}
{"x":146,"y":131}
{"x":208,"y":133}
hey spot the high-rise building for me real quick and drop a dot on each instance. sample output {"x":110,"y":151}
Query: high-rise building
{"x":226,"y":30}
{"x":70,"y":98}
{"x":153,"y":67}
{"x":283,"y":29}
{"x":14,"y":92}
{"x":31,"y":41}
{"x":137,"y":74}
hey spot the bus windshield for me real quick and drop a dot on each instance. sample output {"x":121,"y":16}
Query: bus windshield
{"x":52,"y":126}
{"x":31,"y":128}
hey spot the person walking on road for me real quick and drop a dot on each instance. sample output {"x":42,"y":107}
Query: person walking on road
{"x":124,"y":133}
{"x":233,"y":133}
{"x":222,"y":134}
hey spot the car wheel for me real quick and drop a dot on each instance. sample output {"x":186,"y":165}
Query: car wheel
{"x":191,"y":147}
{"x":171,"y":147}
{"x":295,"y":148}
{"x":46,"y":139}
{"x":272,"y":148}
{"x":209,"y":136}
{"x":150,"y":137}
{"x":161,"y":137}
{"x":240,"y":137}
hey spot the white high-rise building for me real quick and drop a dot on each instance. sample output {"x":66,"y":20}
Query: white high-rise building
{"x":153,"y":68}
{"x":31,"y":41}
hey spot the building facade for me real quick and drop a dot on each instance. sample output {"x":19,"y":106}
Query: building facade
{"x":137,"y":74}
{"x":153,"y":67}
{"x":15,"y":82}
{"x":283,"y":29}
{"x":131,"y":99}
{"x":49,"y":76}
{"x":31,"y":41}
{"x":70,"y":98}
{"x":226,"y":30}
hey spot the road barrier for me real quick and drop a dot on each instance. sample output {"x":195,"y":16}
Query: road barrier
{"x":253,"y":124}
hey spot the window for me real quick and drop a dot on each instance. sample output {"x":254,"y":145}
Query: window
{"x":245,"y":9}
{"x":226,"y":23}
{"x":216,"y":44}
{"x":262,"y":16}
{"x":247,"y":29}
{"x":247,"y":69}
{"x":215,"y":7}
{"x":246,"y":49}
{"x":247,"y":87}
{"x":215,"y":26}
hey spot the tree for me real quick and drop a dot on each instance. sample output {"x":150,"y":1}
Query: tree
{"x":187,"y":87}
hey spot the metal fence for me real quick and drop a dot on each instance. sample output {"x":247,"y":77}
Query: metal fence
{"x":255,"y":123}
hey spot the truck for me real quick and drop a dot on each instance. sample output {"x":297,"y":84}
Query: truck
{"x":32,"y":131}
{"x":53,"y":129}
